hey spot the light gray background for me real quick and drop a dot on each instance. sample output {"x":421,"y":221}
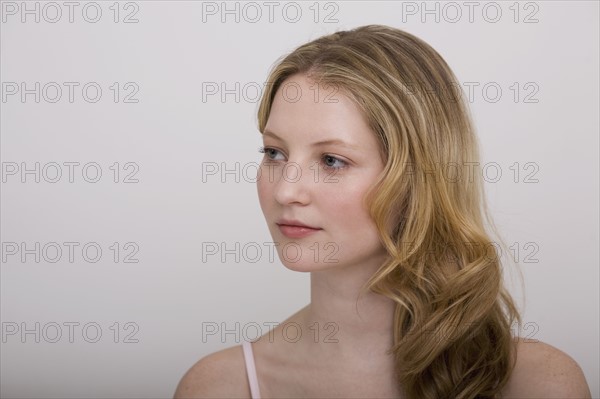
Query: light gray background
{"x":170,"y":294}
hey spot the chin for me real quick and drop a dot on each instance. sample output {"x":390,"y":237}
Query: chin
{"x":307,"y":266}
{"x":308,"y":260}
{"x":306,"y":255}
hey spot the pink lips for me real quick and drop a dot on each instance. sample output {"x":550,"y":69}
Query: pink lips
{"x":295,"y":229}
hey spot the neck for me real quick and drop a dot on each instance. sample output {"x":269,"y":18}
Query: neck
{"x":343,"y":325}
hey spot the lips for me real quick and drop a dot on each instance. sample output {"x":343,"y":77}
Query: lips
{"x":295,"y":228}
{"x":295,"y":223}
{"x":296,"y":231}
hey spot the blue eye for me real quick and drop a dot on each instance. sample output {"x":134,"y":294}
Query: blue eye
{"x":329,"y":162}
{"x":269,"y":152}
{"x":328,"y":158}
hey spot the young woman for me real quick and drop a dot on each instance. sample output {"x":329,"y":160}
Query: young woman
{"x":368,"y":175}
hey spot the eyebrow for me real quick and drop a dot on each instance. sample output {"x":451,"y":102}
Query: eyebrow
{"x":318,"y":143}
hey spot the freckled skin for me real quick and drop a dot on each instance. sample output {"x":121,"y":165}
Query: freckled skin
{"x":331,"y":199}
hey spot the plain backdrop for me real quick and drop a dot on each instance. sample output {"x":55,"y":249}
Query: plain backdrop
{"x":165,"y":109}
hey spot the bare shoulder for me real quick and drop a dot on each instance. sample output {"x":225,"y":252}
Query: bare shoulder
{"x":543,"y":371}
{"x":219,"y":375}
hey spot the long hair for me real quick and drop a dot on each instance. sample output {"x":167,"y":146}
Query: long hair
{"x":453,"y":315}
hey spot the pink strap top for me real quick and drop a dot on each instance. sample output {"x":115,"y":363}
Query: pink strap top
{"x":251,"y":369}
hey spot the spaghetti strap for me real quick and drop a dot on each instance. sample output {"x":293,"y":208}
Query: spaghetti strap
{"x":251,"y":369}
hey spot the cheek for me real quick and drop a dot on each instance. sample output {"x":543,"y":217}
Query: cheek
{"x":263,"y":188}
{"x":352,"y":237}
{"x":350,"y":207}
{"x":347,"y":214}
{"x":345,"y":201}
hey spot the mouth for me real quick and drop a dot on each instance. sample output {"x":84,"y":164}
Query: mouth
{"x":295,"y":223}
{"x":296,"y":231}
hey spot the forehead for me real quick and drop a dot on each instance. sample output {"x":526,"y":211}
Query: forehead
{"x":305,"y":110}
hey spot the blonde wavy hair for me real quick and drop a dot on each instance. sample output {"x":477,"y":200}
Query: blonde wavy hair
{"x":454,"y":316}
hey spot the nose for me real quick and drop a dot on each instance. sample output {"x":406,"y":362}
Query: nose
{"x":293,"y":185}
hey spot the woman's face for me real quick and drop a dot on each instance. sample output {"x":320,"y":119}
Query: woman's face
{"x":320,"y":159}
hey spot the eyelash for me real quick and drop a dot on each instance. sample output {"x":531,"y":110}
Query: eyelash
{"x":264,"y":150}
